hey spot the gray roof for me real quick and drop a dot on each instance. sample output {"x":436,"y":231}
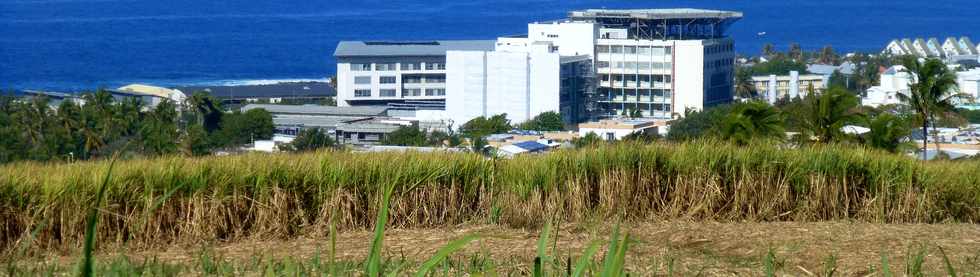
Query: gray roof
{"x":654,"y":14}
{"x":327,"y":121}
{"x":368,"y":127}
{"x":410,"y":48}
{"x":319,"y":110}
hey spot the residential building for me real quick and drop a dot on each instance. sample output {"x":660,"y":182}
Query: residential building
{"x":794,"y":85}
{"x":969,"y":82}
{"x":951,"y":48}
{"x":893,"y":81}
{"x":617,"y":129}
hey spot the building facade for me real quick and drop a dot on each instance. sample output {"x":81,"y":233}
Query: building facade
{"x":790,"y":86}
{"x":596,"y":64}
{"x":410,"y":74}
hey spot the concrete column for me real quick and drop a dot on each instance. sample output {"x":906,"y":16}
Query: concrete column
{"x":794,"y":84}
{"x":772,"y":93}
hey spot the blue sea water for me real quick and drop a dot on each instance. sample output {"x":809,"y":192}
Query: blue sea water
{"x":82,"y":44}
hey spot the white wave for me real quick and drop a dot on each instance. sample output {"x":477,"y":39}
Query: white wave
{"x":254,"y":82}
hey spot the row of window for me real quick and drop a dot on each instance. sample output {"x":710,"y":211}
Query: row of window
{"x":393,"y":66}
{"x":635,"y":92}
{"x":635,"y":65}
{"x":641,"y":50}
{"x":426,"y":79}
{"x":366,"y":80}
{"x":405,"y":92}
{"x":637,"y":78}
{"x":720,"y":63}
{"x":720,"y":48}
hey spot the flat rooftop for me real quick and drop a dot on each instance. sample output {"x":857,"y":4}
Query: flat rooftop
{"x":654,"y":14}
{"x":409,"y":48}
{"x":367,"y":111}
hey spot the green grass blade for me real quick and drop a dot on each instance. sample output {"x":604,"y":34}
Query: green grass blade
{"x":92,"y":222}
{"x":374,"y":257}
{"x":949,"y":265}
{"x":619,"y":263}
{"x":608,"y":262}
{"x":443,"y":253}
{"x":885,"y":268}
{"x":543,"y":242}
{"x":585,"y":260}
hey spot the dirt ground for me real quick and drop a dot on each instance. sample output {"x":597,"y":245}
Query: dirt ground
{"x":687,"y":248}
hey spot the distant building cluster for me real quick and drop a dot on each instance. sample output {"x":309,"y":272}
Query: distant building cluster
{"x":951,"y":48}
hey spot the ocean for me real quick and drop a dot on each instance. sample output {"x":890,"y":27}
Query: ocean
{"x":71,"y":45}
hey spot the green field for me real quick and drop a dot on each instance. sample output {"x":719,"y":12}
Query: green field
{"x":150,"y":204}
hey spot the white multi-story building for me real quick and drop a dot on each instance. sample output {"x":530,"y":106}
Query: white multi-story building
{"x":595,"y":64}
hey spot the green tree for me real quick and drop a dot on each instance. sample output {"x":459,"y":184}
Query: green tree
{"x":482,"y":126}
{"x":311,"y":139}
{"x":932,"y":92}
{"x":406,"y":136}
{"x":825,"y":115}
{"x":837,"y":79}
{"x":239,"y":128}
{"x":589,"y":140}
{"x":888,"y":133}
{"x":11,"y":142}
{"x":698,"y":124}
{"x":194,"y":141}
{"x":744,"y":87}
{"x":778,"y":66}
{"x":752,"y":120}
{"x":548,"y":121}
{"x":159,"y":132}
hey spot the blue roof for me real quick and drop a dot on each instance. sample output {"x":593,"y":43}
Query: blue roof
{"x":409,"y":48}
{"x":531,"y":146}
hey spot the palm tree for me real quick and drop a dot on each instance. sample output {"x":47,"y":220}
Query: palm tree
{"x":795,"y":52}
{"x":768,"y":50}
{"x":744,"y":87}
{"x":755,"y":119}
{"x":828,"y":56}
{"x":932,"y":91}
{"x":825,"y":115}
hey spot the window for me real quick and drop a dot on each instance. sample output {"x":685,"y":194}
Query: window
{"x":602,"y":49}
{"x":388,"y":79}
{"x":362,"y":80}
{"x":411,"y":66}
{"x":385,"y":67}
{"x":388,"y":93}
{"x":435,"y":66}
{"x":411,"y":92}
{"x":643,"y":50}
{"x":616,"y":49}
{"x":630,"y":49}
{"x":657,"y":51}
{"x":602,"y":64}
{"x":412,"y":80}
{"x":362,"y":93}
{"x":667,"y":50}
{"x":360,"y":67}
{"x":435,"y":79}
{"x":435,"y":92}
